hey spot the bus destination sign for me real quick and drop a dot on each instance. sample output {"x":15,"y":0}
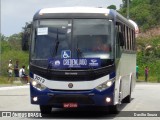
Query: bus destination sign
{"x":75,"y":63}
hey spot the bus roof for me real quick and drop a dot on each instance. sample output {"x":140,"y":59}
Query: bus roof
{"x":135,"y":25}
{"x":80,"y":12}
{"x":74,"y":10}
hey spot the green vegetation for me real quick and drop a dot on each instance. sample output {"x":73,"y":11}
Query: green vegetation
{"x":11,"y":50}
{"x":112,"y":7}
{"x":144,"y":12}
{"x":148,"y":54}
{"x":4,"y":80}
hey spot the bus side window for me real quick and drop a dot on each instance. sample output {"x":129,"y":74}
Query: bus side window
{"x":117,"y":44}
{"x":120,"y":39}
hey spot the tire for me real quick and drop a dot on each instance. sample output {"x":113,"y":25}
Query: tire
{"x":127,"y":99}
{"x":45,"y":109}
{"x":114,"y":109}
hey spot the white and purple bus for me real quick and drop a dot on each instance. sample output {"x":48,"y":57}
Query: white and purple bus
{"x":65,"y":69}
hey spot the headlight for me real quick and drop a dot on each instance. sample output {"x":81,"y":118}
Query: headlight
{"x":105,"y":85}
{"x":38,"y":85}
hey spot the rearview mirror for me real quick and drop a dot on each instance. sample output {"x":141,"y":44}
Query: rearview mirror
{"x":26,"y":37}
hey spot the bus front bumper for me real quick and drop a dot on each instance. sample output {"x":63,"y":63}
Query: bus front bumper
{"x":58,"y":99}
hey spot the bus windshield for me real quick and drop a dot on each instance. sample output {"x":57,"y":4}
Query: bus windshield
{"x":82,"y":38}
{"x":92,"y":38}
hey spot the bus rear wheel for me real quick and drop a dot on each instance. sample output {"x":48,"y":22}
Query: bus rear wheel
{"x":45,"y":109}
{"x":127,"y":99}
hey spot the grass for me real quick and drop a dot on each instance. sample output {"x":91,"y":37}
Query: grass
{"x":152,"y":79}
{"x":4,"y":81}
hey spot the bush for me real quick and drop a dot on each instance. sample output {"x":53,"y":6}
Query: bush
{"x":149,"y":57}
{"x":14,"y":55}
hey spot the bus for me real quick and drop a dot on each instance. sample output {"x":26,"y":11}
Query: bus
{"x":66,"y":68}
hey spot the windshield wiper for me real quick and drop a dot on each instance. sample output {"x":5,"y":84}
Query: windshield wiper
{"x":56,"y":46}
{"x":49,"y":67}
{"x":79,"y":52}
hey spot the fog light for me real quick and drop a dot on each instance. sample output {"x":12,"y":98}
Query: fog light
{"x":109,"y":83}
{"x":35,"y":99}
{"x":34,"y":83}
{"x":108,"y":99}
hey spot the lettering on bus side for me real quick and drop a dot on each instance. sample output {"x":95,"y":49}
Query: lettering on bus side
{"x":40,"y":79}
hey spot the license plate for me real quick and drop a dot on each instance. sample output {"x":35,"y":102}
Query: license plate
{"x":70,"y":105}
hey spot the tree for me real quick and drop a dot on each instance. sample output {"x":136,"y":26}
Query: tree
{"x":26,"y":36}
{"x":124,"y":2}
{"x":15,"y":41}
{"x":155,"y":8}
{"x":112,"y":7}
{"x":2,"y":37}
{"x":4,"y":45}
{"x":144,"y":12}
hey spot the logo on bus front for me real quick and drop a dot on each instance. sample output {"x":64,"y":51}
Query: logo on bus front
{"x":70,"y":85}
{"x":94,"y":63}
{"x":57,"y":63}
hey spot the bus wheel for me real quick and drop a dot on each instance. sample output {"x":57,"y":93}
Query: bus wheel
{"x":45,"y":109}
{"x":127,"y":99}
{"x":114,"y":109}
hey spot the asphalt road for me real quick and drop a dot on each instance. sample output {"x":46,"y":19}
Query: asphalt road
{"x":145,"y":102}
